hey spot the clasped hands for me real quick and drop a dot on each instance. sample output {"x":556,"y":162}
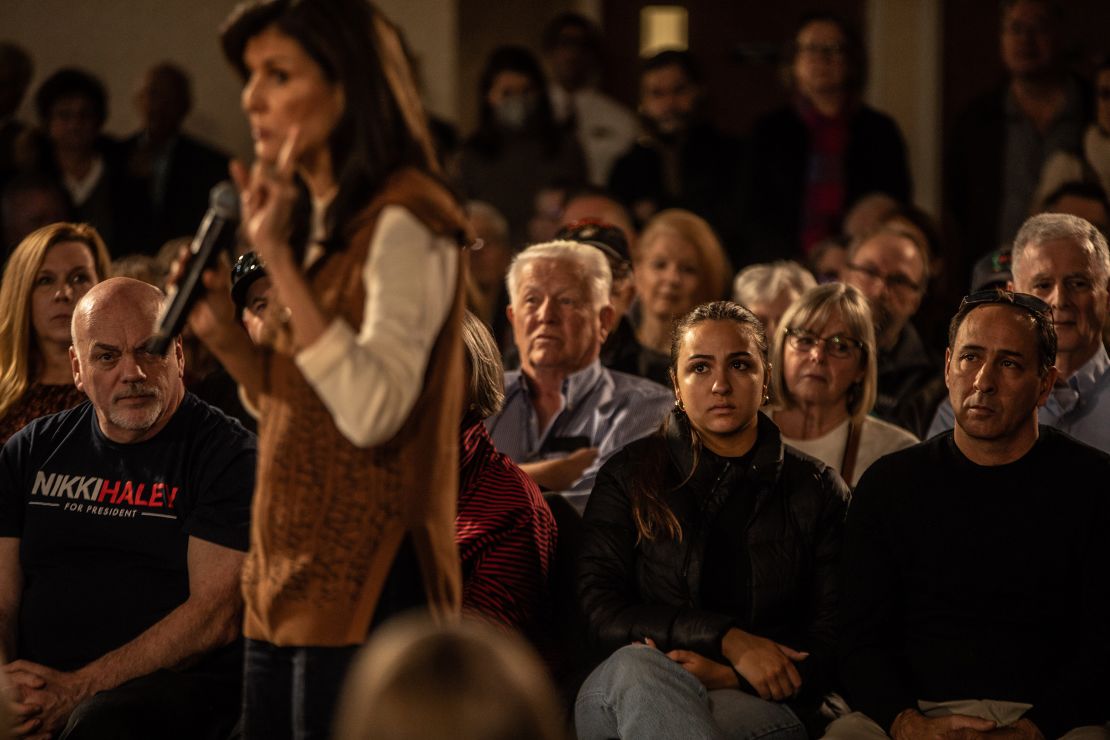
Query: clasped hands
{"x":765,"y":664}
{"x":912,"y":725}
{"x":41,"y":699}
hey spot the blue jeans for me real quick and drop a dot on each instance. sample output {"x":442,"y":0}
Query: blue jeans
{"x":290,"y":693}
{"x":641,"y":693}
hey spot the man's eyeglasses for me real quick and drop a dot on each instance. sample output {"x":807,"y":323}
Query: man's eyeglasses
{"x":836,"y":346}
{"x":1030,"y":303}
{"x":895,"y":283}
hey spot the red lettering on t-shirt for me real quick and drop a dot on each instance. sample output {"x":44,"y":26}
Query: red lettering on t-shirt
{"x":157,"y":491}
{"x":139,"y":500}
{"x":109,"y":491}
{"x":173,"y":495}
{"x":128,"y":495}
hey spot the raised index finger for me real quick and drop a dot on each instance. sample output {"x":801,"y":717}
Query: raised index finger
{"x":285,"y":156}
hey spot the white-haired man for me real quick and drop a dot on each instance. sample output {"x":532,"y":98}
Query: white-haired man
{"x":565,"y":414}
{"x":1064,"y":260}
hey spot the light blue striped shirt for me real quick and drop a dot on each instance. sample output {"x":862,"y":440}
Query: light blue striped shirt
{"x":607,"y":407}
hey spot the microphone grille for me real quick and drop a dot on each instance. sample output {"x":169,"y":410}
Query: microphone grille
{"x":224,"y":200}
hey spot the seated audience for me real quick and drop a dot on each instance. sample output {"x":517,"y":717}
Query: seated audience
{"x":419,"y":681}
{"x":681,"y":160}
{"x":823,"y":374}
{"x":605,"y":129}
{"x":16,"y":70}
{"x":975,"y":594}
{"x":827,"y":260}
{"x":891,"y":268}
{"x":1091,"y":162}
{"x":123,"y":526}
{"x":505,"y":531}
{"x":1064,"y":261}
{"x":72,"y":106}
{"x":174,"y":171}
{"x":486,"y":294}
{"x":816,"y":157}
{"x":518,"y":148}
{"x":599,"y":204}
{"x":998,"y":146}
{"x":679,"y":264}
{"x":767,"y":290}
{"x":1084,"y":199}
{"x":713,"y":550}
{"x":622,"y":350}
{"x":565,"y":414}
{"x":28,"y":202}
{"x":46,"y":276}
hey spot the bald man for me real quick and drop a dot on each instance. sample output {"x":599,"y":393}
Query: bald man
{"x":123,"y":526}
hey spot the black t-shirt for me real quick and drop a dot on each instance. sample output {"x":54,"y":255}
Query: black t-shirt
{"x":104,"y":527}
{"x":964,"y":581}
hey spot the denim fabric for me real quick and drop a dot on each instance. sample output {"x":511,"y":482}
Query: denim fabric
{"x":641,"y":693}
{"x":290,"y":693}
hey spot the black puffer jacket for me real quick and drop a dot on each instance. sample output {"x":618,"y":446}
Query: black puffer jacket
{"x":629,"y":590}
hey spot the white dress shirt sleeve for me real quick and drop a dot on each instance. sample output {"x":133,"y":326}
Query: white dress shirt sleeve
{"x":370,"y":381}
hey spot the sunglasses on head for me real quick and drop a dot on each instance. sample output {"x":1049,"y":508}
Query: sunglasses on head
{"x":1030,"y":303}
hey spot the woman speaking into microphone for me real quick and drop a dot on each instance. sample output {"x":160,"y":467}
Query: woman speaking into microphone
{"x":358,"y":379}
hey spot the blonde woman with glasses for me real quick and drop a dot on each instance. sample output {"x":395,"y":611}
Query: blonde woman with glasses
{"x":824,"y":379}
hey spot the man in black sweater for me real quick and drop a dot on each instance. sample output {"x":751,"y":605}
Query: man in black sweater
{"x":977,"y":564}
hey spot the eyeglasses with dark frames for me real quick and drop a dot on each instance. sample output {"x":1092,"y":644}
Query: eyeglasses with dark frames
{"x":896,"y":282}
{"x":838,"y":346}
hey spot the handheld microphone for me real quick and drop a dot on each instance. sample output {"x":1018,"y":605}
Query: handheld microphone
{"x":216,"y":232}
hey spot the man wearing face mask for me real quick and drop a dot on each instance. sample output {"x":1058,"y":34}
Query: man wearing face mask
{"x":681,"y":160}
{"x":518,"y":148}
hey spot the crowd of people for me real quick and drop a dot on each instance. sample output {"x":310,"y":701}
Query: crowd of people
{"x":687,"y":428}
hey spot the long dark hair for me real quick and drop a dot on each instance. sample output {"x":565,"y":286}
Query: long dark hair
{"x":382,"y":127}
{"x":487,"y":139}
{"x":653,"y":517}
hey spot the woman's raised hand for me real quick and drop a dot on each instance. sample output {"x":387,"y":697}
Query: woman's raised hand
{"x":266,"y":197}
{"x":765,"y":664}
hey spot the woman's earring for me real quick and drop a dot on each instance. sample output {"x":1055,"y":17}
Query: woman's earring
{"x":678,"y":405}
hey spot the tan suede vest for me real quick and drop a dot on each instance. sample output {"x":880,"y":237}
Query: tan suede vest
{"x":329,"y":516}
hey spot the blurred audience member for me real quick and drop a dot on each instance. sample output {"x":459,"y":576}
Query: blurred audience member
{"x":827,"y":261}
{"x":487,"y":295}
{"x":891,"y":268}
{"x":992,"y":271}
{"x":72,"y":106}
{"x":999,"y":145}
{"x":419,"y":681}
{"x":547,"y":214}
{"x":621,"y":350}
{"x":1064,"y":261}
{"x":30,"y":201}
{"x":815,"y":158}
{"x":1091,"y":162}
{"x":681,"y":160}
{"x":767,"y":290}
{"x":599,"y":204}
{"x":605,"y":129}
{"x":565,"y":414}
{"x":824,"y":377}
{"x":1084,"y":199}
{"x":518,"y":148}
{"x":679,"y":265}
{"x":47,"y":274}
{"x":504,"y":529}
{"x":15,"y":75}
{"x":141,"y":267}
{"x":868,"y":214}
{"x":175,"y":171}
